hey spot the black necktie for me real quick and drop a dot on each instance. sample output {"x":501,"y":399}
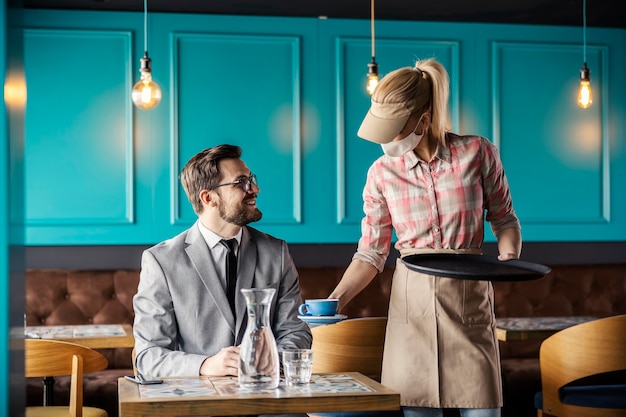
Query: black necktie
{"x":231,"y":270}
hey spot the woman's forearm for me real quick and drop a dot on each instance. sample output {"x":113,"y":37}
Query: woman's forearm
{"x":356,"y":277}
{"x":509,"y":243}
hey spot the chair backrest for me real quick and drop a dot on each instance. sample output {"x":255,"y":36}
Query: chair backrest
{"x":133,"y":356}
{"x":354,"y":345}
{"x":587,"y":349}
{"x":56,"y":358}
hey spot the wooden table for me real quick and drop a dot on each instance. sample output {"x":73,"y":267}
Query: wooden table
{"x":95,"y":336}
{"x":535,"y":328}
{"x":221,"y":396}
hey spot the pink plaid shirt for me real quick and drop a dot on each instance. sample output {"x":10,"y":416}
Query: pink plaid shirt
{"x":435,"y":205}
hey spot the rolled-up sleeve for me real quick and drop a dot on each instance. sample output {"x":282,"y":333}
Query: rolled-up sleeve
{"x":497,"y":194}
{"x":376,"y":226}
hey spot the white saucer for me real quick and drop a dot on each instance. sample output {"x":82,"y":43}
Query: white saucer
{"x":323,"y":319}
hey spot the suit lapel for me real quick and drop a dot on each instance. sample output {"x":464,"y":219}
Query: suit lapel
{"x":200,"y":256}
{"x":247,"y":261}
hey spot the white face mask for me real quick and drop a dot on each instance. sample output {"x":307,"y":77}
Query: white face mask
{"x":400,"y":147}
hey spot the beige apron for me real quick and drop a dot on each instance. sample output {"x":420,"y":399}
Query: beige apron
{"x":441,"y":348}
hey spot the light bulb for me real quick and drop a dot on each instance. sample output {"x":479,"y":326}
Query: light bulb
{"x":585,"y":97}
{"x":372,"y":82}
{"x":372,"y":76}
{"x":146,"y":93}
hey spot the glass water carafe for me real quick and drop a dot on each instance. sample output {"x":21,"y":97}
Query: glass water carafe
{"x":258,"y":355}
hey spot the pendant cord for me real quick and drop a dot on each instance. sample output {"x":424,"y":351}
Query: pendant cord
{"x":373,"y":37}
{"x":145,"y":25}
{"x":584,"y":30}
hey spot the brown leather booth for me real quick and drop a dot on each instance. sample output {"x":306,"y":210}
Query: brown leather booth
{"x":55,"y":297}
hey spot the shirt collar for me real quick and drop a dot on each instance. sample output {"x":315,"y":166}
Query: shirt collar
{"x":211,"y":238}
{"x":411,"y":159}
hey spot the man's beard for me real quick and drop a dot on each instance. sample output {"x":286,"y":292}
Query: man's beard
{"x":239,"y":214}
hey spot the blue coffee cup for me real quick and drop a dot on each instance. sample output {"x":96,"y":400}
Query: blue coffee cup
{"x":319,"y":307}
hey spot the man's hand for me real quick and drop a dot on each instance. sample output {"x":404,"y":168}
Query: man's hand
{"x":226,"y":362}
{"x":264,"y":361}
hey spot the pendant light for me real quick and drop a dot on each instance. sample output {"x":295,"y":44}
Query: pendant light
{"x":584,"y":92}
{"x":372,"y":67}
{"x":146,"y":93}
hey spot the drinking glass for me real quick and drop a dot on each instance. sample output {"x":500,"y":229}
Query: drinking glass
{"x":297,"y":364}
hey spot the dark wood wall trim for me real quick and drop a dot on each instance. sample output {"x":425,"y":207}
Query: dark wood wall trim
{"x":316,"y":255}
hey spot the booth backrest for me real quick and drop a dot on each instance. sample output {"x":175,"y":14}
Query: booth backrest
{"x":56,"y":297}
{"x":63,"y":297}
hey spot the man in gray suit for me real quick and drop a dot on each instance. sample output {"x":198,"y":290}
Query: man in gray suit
{"x":184,"y":324}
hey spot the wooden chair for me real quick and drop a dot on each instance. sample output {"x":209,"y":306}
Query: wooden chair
{"x":354,"y":345}
{"x":56,"y":358}
{"x":584,"y":351}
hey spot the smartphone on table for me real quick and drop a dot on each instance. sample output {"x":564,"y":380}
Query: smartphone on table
{"x":141,"y":380}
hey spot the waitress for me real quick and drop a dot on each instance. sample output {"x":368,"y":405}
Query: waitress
{"x":432,"y":187}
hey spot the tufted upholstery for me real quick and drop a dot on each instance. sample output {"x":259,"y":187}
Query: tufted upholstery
{"x":80,"y":297}
{"x":582,"y":290}
{"x":55,"y":297}
{"x":567,"y":291}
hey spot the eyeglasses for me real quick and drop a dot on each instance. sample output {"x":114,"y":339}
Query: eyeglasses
{"x":245,"y":183}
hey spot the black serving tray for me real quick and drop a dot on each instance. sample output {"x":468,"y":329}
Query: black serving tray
{"x":474,"y":267}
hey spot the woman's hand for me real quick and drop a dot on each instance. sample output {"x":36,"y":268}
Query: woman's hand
{"x":356,"y":277}
{"x":507,"y":256}
{"x":509,"y":244}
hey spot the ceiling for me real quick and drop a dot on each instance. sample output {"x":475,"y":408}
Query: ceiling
{"x":600,"y":13}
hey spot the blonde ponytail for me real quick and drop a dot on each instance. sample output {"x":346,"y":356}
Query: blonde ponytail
{"x":438,"y":78}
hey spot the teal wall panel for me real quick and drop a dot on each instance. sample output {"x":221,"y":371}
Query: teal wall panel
{"x":79,"y":139}
{"x":555,"y":160}
{"x":5,"y":342}
{"x":353,"y":103}
{"x":348,"y":43}
{"x":12,"y":186}
{"x":244,"y":102}
{"x":85,"y":144}
{"x":291,"y":92}
{"x":557,"y":155}
{"x":248,"y":89}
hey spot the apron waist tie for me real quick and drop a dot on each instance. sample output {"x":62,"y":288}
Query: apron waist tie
{"x":414,"y":251}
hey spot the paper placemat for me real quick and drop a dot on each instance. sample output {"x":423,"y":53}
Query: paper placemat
{"x":76,"y":331}
{"x":229,"y":385}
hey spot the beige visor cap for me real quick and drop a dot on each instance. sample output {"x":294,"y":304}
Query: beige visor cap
{"x":383,"y":122}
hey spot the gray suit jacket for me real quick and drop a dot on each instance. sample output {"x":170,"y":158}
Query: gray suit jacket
{"x":182,"y":314}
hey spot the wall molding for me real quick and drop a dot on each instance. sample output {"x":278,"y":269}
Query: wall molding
{"x":315,"y":255}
